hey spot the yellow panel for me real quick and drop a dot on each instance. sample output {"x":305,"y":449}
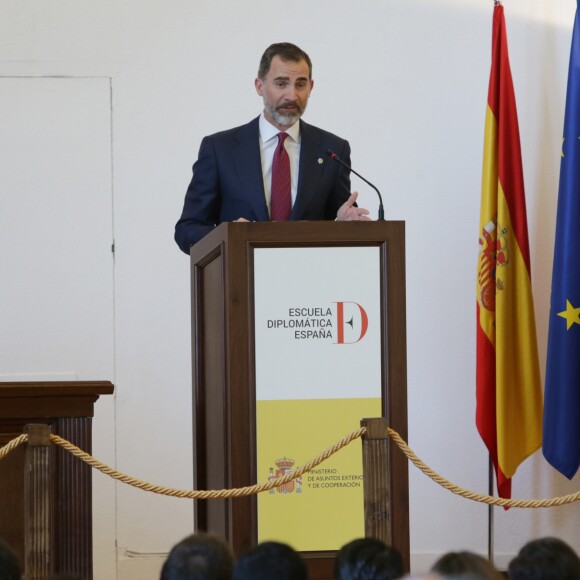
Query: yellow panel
{"x":324,"y":509}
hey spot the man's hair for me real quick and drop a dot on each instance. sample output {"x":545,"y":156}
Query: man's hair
{"x":368,"y":558}
{"x":198,"y":557}
{"x":545,"y":559}
{"x":270,"y":561}
{"x":286,"y":51}
{"x":9,"y":565}
{"x":465,"y":565}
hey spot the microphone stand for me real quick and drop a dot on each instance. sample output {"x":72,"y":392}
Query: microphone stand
{"x":334,"y":156}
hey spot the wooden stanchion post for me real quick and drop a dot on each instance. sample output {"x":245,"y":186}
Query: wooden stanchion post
{"x":37,"y":504}
{"x":376,"y":480}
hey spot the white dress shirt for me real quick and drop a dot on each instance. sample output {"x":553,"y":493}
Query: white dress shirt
{"x":268,"y":144}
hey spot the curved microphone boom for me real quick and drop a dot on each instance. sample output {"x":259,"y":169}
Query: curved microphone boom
{"x":334,"y":156}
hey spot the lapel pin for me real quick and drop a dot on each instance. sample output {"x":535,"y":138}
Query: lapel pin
{"x":320,"y":161}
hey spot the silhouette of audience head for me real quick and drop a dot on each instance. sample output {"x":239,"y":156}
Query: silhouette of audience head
{"x":270,"y":561}
{"x":198,"y":557}
{"x":368,"y":558}
{"x":9,"y":565}
{"x":545,"y":559}
{"x":465,"y":566}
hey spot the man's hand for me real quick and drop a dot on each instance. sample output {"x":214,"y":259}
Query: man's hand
{"x":241,"y":220}
{"x":348,"y":213}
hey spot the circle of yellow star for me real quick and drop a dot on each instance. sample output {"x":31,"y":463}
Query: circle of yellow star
{"x":571,"y":314}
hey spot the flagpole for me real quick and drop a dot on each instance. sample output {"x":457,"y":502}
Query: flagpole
{"x":507,"y":366}
{"x":490,"y":527}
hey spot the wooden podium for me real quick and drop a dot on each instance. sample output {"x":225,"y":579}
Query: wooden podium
{"x":224,"y":366}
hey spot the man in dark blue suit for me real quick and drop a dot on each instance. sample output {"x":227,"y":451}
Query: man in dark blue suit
{"x":232,"y":177}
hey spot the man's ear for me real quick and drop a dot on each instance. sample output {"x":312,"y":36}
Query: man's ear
{"x":258,"y":83}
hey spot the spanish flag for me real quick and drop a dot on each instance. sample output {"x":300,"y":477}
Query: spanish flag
{"x":509,"y":397}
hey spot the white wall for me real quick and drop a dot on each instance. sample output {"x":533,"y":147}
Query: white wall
{"x":406,"y":83}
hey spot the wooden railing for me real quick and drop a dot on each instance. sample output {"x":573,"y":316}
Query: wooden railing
{"x":45,"y":493}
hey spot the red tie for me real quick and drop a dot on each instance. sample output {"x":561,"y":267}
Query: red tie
{"x":281,"y":200}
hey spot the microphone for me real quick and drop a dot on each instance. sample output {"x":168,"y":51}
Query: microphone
{"x":334,"y":156}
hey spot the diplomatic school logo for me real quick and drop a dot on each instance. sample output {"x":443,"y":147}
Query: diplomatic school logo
{"x":284,"y":466}
{"x":339,"y":322}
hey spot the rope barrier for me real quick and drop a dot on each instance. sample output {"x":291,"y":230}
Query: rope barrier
{"x":258,"y":488}
{"x":12,"y":445}
{"x":209,"y":494}
{"x":488,"y":499}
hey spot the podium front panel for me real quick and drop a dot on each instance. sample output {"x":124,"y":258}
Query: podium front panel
{"x":317,"y":329}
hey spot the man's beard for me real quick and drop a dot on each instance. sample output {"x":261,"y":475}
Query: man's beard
{"x":285,"y":118}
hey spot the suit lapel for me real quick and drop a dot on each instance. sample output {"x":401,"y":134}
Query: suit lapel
{"x":246,"y":154}
{"x":310,"y":170}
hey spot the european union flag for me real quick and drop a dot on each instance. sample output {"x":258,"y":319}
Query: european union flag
{"x":561,"y":443}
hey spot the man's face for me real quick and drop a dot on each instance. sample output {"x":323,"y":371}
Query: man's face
{"x":285,"y":91}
